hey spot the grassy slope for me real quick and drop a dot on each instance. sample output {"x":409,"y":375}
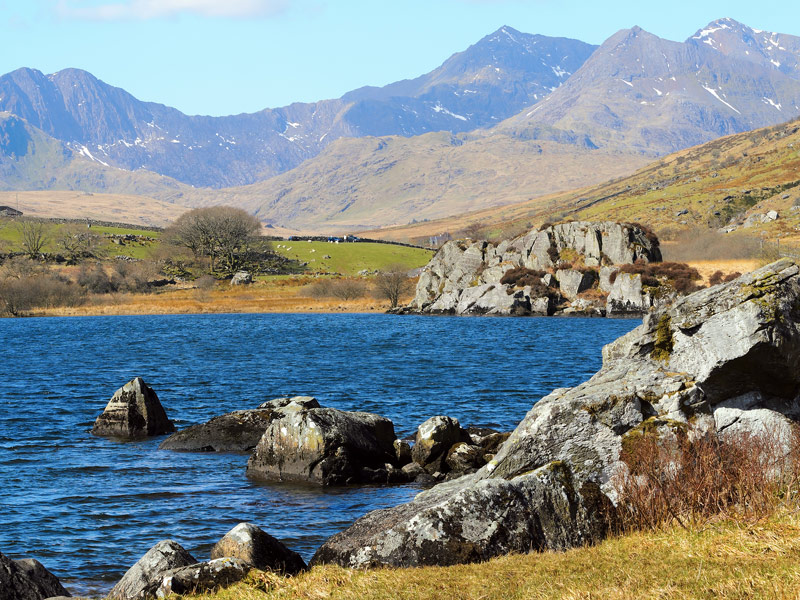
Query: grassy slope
{"x":722,"y":561}
{"x":349,"y":259}
{"x":703,"y":180}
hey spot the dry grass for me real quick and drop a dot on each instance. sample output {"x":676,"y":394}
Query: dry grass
{"x":706,"y":268}
{"x":724,"y":561}
{"x":278,"y":295}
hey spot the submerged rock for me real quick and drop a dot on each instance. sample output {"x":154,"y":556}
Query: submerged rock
{"x":727,"y":356}
{"x":238,"y":431}
{"x":134,"y":411}
{"x":27,"y":579}
{"x":253,"y":545}
{"x":144,"y":578}
{"x":325,"y":446}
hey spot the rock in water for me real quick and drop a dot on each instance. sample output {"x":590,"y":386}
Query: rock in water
{"x":203,"y":576}
{"x":144,"y":578}
{"x":238,"y":431}
{"x":723,"y":356}
{"x":325,"y":446}
{"x":27,"y":579}
{"x":256,"y":547}
{"x":434,"y":439}
{"x":133,"y":412}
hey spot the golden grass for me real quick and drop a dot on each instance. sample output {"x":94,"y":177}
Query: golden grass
{"x":706,"y":268}
{"x":725,"y":561}
{"x":279,"y":295}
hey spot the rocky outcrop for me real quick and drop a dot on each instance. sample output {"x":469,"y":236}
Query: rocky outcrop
{"x":723,"y":357}
{"x":204,"y":576}
{"x":144,"y":578}
{"x":472,"y":278}
{"x":27,"y":579}
{"x":325,"y":446}
{"x":134,"y":411}
{"x":253,"y":545}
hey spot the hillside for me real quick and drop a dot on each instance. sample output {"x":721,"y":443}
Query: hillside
{"x":718,"y":185}
{"x":372,"y":182}
{"x":32,"y":160}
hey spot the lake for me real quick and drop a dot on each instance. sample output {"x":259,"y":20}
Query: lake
{"x":88,"y":508}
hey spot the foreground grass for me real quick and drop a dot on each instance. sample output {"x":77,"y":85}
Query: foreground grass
{"x":726,"y":560}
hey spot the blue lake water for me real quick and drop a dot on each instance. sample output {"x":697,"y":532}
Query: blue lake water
{"x":88,"y":508}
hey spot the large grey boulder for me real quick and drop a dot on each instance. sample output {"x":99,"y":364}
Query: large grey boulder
{"x":626,"y":296}
{"x":238,"y":431}
{"x":144,"y":578}
{"x":721,"y":357}
{"x":134,"y":411}
{"x":467,"y":521}
{"x":255,"y":546}
{"x":325,"y":446}
{"x":202,"y":577}
{"x":241,"y":278}
{"x":27,"y":579}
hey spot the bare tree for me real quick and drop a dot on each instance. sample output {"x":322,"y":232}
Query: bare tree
{"x":33,"y":237}
{"x":391,"y":284}
{"x":218,"y":232}
{"x":76,"y":241}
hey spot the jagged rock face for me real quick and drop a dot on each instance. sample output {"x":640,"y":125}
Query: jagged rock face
{"x":203,"y":576}
{"x":709,"y":351}
{"x":27,"y":579}
{"x":238,"y":431}
{"x":465,"y":521}
{"x":134,"y":411}
{"x":464,"y":278}
{"x":143,"y":579}
{"x":255,"y":546}
{"x":725,"y":358}
{"x":325,"y":446}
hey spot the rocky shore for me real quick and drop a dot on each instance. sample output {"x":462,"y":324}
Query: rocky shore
{"x":718,"y":361}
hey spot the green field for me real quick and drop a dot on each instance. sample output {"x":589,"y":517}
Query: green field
{"x":349,"y":259}
{"x":10,"y":239}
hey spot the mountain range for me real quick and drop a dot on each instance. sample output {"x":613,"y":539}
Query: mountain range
{"x":517,"y":116}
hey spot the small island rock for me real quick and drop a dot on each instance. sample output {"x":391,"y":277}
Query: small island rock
{"x":134,"y":411}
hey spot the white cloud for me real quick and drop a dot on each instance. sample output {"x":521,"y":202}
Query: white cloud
{"x":153,"y":9}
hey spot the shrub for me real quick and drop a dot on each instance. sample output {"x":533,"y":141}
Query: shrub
{"x":18,"y":296}
{"x":716,"y":278}
{"x":520,"y":277}
{"x":690,"y":477}
{"x":681,"y":276}
{"x":343,"y":289}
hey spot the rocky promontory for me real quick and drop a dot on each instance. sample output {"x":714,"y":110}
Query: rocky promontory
{"x":569,"y":268}
{"x":722,"y":359}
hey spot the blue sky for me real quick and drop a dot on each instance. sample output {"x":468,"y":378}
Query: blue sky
{"x":229,"y":56}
